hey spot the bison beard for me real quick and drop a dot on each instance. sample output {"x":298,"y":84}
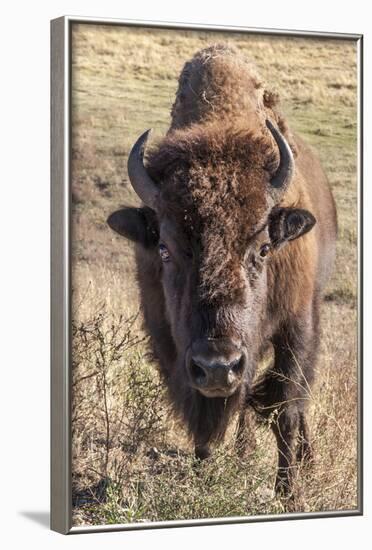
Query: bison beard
{"x":235,"y":243}
{"x":206,"y":418}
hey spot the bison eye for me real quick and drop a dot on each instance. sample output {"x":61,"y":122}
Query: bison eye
{"x":264,"y":250}
{"x":164,"y":254}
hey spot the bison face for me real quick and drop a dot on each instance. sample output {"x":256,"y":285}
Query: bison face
{"x":213,"y":302}
{"x":213,"y":305}
{"x":207,"y":259}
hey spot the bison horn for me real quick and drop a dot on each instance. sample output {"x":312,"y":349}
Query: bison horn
{"x":141,"y":182}
{"x":285,"y":170}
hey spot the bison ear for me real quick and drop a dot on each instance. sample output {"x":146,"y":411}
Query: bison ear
{"x":287,"y":224}
{"x":137,"y":224}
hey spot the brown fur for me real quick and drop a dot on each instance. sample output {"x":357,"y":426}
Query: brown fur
{"x":216,"y":211}
{"x":209,"y":197}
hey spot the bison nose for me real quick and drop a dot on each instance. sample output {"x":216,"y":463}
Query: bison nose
{"x":215,"y":375}
{"x":215,"y":369}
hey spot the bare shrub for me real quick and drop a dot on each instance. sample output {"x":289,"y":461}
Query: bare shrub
{"x":117,"y":406}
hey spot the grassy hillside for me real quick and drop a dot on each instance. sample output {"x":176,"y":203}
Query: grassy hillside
{"x":131,"y":461}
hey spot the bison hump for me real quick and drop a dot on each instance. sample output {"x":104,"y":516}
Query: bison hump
{"x":217,"y":82}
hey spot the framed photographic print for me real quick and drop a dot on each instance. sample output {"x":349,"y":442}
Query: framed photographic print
{"x":206,"y":322}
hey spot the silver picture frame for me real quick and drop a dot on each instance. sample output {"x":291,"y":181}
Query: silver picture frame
{"x":61,"y":123}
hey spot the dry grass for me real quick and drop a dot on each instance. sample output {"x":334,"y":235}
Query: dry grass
{"x":131,"y":462}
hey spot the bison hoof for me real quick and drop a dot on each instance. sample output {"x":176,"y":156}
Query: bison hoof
{"x":201,"y":453}
{"x":283,"y":485}
{"x":292,"y":498}
{"x":305,"y":453}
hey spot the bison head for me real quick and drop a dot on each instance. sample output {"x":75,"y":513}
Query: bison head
{"x":210,"y":228}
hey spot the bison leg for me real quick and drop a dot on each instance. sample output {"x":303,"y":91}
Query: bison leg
{"x":281,"y":395}
{"x":304,"y":449}
{"x":241,"y":433}
{"x":245,"y":440}
{"x":285,"y":428}
{"x":202,"y":451}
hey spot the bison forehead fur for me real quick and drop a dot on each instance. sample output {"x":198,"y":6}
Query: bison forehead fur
{"x":214,"y":184}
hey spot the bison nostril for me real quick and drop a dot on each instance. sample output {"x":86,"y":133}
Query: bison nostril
{"x":198,"y":373}
{"x":216,"y":374}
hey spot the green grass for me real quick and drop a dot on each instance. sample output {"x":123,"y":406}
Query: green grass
{"x":132,"y":461}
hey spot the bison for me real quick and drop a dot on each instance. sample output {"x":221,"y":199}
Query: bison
{"x":234,"y":244}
